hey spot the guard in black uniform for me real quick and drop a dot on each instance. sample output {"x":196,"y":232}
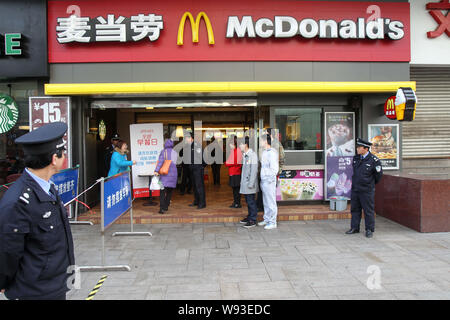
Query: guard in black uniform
{"x":108,"y":153}
{"x":367,"y":171}
{"x":197,"y":168}
{"x":36,"y":247}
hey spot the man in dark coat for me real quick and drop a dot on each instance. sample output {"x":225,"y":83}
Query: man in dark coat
{"x":367,"y":171}
{"x":109,"y":151}
{"x":197,"y":168}
{"x":36,"y":247}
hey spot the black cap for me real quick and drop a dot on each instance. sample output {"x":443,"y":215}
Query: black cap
{"x":115,"y":137}
{"x":361,"y":142}
{"x":43,"y":140}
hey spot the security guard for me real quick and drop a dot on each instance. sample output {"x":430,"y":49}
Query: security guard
{"x":197,"y":168}
{"x":36,"y":247}
{"x":109,"y":152}
{"x":367,"y":171}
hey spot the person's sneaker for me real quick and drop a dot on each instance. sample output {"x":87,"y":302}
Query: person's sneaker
{"x":270,"y":226}
{"x":244,"y":221}
{"x":250,"y":224}
{"x":262,"y":223}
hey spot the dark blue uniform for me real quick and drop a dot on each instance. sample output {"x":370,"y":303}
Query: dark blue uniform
{"x":366,"y":173}
{"x":197,"y":168}
{"x":36,"y":246}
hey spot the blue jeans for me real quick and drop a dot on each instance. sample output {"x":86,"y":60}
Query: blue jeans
{"x":252,"y":208}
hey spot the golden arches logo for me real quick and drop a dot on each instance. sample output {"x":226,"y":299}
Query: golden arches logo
{"x":195,"y":26}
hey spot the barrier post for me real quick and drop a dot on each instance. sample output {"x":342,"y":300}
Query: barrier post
{"x":132,"y":233}
{"x":103,"y":267}
{"x":75,"y":221}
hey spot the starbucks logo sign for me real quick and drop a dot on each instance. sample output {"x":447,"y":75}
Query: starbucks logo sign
{"x":9,"y":113}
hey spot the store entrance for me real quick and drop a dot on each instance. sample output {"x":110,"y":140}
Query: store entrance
{"x":222,"y":123}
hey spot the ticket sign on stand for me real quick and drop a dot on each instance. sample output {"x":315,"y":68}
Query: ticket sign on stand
{"x":116,"y":198}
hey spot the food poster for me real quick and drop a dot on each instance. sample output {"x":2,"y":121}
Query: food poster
{"x":385,"y":144}
{"x":300,"y":185}
{"x":340,"y":149}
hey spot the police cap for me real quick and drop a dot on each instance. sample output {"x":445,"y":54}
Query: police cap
{"x":361,"y":142}
{"x":115,"y":137}
{"x":43,"y":140}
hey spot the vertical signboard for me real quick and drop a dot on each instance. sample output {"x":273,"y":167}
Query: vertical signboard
{"x":116,"y":198}
{"x":66,"y":184}
{"x":385,"y":144}
{"x":146,"y":141}
{"x":340,"y":149}
{"x":45,"y":110}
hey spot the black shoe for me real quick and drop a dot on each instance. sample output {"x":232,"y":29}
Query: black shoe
{"x":352,"y":231}
{"x":201,"y":207}
{"x":232,"y":206}
{"x":250,"y":224}
{"x":244,"y":221}
{"x":236,"y":206}
{"x":193,"y":205}
{"x":161,"y":211}
{"x":369,"y":234}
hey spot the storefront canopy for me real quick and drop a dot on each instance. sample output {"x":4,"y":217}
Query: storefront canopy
{"x":224,"y":87}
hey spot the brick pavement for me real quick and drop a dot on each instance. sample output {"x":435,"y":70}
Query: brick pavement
{"x":298,"y":260}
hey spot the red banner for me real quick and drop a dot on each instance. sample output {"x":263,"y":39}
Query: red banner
{"x":251,"y":30}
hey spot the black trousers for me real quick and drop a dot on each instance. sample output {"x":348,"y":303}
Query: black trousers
{"x":363,"y":201}
{"x":252,"y":208}
{"x":186,"y":179}
{"x":164,"y":198}
{"x":216,"y":172}
{"x":198,"y":173}
{"x":236,"y":195}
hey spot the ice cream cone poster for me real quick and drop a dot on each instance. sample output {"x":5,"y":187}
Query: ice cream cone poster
{"x":340,"y":149}
{"x":385,"y":144}
{"x":297,"y":185}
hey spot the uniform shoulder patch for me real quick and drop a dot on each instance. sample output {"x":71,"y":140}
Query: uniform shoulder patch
{"x":25,"y":195}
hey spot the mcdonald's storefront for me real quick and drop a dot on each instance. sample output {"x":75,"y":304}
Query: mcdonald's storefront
{"x":301,"y":67}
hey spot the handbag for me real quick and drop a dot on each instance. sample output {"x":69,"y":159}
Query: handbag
{"x":166,"y":165}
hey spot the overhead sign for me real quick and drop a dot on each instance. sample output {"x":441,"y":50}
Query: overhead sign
{"x":9,"y":113}
{"x":389,"y":108}
{"x":125,"y":31}
{"x":23,"y":35}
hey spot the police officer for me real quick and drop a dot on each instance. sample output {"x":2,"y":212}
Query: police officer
{"x":197,"y":168}
{"x":109,"y":151}
{"x":36,"y":246}
{"x":367,"y":171}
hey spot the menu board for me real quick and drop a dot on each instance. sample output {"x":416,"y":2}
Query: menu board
{"x":300,"y":185}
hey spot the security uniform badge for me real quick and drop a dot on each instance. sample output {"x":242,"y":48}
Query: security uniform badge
{"x":378,"y":168}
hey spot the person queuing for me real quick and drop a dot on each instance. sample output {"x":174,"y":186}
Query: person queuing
{"x":367,"y":171}
{"x":186,"y":174}
{"x":109,"y":152}
{"x":269,"y":171}
{"x":249,"y":182}
{"x":119,"y":162}
{"x":169,"y":178}
{"x":36,"y":247}
{"x":216,"y":162}
{"x":197,"y":167}
{"x":234,"y":164}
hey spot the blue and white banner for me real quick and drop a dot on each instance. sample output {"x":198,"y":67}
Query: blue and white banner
{"x":66,"y":183}
{"x":117,"y":197}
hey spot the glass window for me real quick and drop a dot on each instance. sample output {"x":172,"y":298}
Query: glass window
{"x":300,"y":128}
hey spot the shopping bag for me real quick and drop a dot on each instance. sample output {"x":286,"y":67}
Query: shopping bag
{"x":166,"y":165}
{"x":156,"y":184}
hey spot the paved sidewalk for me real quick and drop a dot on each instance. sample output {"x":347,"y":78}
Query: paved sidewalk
{"x":298,"y":260}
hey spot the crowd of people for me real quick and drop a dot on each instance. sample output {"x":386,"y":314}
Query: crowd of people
{"x":255,"y":180}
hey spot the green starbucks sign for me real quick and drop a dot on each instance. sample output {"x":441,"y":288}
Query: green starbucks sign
{"x":9,"y":113}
